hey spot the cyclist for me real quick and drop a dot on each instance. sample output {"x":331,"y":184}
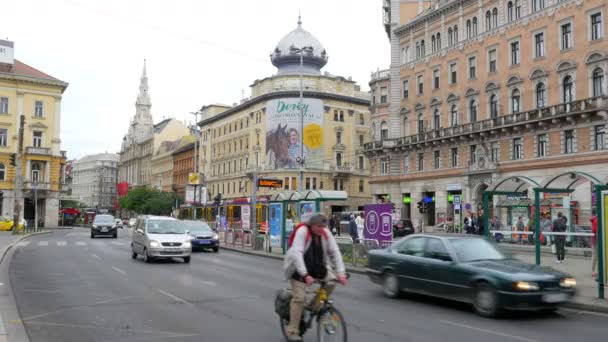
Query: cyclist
{"x":313,"y":254}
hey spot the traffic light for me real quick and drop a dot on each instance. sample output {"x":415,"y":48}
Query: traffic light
{"x":14,"y":159}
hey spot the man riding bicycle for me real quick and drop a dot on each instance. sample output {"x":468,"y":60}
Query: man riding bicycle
{"x":313,"y":254}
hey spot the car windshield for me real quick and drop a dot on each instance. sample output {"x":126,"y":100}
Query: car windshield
{"x":103,"y":219}
{"x":197,"y":227}
{"x":473,"y":249}
{"x":165,"y":227}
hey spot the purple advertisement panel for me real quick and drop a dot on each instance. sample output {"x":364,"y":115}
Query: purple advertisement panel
{"x":378,"y":222}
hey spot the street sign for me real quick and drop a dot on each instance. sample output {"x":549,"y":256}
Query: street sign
{"x":270,"y":183}
{"x":195,"y":178}
{"x":457,"y":199}
{"x":458,"y":206}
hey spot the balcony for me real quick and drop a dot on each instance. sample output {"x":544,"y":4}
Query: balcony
{"x":43,"y":151}
{"x":380,"y":74}
{"x":565,"y":112}
{"x":29,"y":185}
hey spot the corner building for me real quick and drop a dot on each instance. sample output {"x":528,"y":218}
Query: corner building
{"x":478,"y":91}
{"x":263,"y":134}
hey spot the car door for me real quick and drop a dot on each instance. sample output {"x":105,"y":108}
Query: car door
{"x":409,"y":254}
{"x":138,"y":236}
{"x":437,"y":267}
{"x":4,"y":224}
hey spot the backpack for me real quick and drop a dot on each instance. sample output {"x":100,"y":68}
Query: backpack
{"x":282,"y":303}
{"x":292,"y":235}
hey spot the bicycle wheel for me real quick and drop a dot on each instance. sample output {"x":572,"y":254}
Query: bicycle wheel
{"x":331,"y":326}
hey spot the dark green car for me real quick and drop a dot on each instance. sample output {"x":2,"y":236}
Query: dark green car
{"x":469,"y":269}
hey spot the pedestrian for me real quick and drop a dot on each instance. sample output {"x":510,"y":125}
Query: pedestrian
{"x":481,"y":224}
{"x":332,"y":225}
{"x":520,"y":228}
{"x":496,"y":225}
{"x":559,"y":226}
{"x":352,"y":228}
{"x":593,"y":220}
{"x":467,"y":223}
{"x":474,"y":223}
{"x":360,"y":222}
{"x":546,"y":226}
{"x":338,"y":226}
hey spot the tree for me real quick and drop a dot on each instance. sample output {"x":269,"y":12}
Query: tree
{"x":72,"y":204}
{"x":143,"y":200}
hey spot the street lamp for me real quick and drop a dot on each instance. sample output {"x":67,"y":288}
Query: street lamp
{"x":35,"y":186}
{"x":301,"y":161}
{"x":195,"y":156}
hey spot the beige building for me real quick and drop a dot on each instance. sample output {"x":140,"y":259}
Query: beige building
{"x":479,"y":91}
{"x":162,"y":163}
{"x":263,"y":134}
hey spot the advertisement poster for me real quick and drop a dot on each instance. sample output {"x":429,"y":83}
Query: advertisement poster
{"x":605,"y":235}
{"x":378,"y":222}
{"x":306,"y":210}
{"x":275,"y":222}
{"x":245,"y":217}
{"x":286,"y":144}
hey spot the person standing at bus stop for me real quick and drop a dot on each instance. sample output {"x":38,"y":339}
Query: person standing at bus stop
{"x":593,"y":220}
{"x":559,"y":226}
{"x":360,"y":222}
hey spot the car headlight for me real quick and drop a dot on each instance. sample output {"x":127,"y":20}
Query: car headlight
{"x":187,"y":244}
{"x":94,"y":226}
{"x":216,"y":237}
{"x":567,"y":282}
{"x":114,"y":226}
{"x":154,"y":244}
{"x":526,"y":286}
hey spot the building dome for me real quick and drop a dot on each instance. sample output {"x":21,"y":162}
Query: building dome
{"x":286,"y":55}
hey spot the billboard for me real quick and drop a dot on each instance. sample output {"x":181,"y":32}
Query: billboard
{"x":122,"y":189}
{"x":245,"y":216}
{"x":286,"y":144}
{"x":378,"y":222}
{"x":275,"y":222}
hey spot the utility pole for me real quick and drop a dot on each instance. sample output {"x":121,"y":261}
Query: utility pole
{"x":301,"y":182}
{"x":35,"y":184}
{"x":196,"y":194}
{"x":18,"y":177}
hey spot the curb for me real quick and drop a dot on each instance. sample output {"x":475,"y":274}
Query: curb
{"x":587,"y":307}
{"x":12,"y":244}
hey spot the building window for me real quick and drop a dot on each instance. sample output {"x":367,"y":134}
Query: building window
{"x":488,"y":21}
{"x":495,"y":151}
{"x":600,"y":137}
{"x":518,"y":148}
{"x":384,"y":166}
{"x":433,"y":44}
{"x":436,"y":159}
{"x":35,"y":173}
{"x":406,"y":92}
{"x":454,"y":156}
{"x":361,"y":185}
{"x":469,"y":29}
{"x":436,"y":79}
{"x":361,"y":163}
{"x":383,"y":95}
{"x":515,"y":101}
{"x":38,"y":109}
{"x":3,"y":136}
{"x":37,"y":141}
{"x":453,"y":74}
{"x":422,"y":49}
{"x":338,"y":159}
{"x":598,"y":82}
{"x":566,"y":36}
{"x":338,"y":138}
{"x":567,"y":90}
{"x":436,"y":119}
{"x":472,"y":67}
{"x":510,"y":11}
{"x":361,"y":140}
{"x":515,"y":53}
{"x":539,"y":45}
{"x":493,"y":106}
{"x":492,"y":60}
{"x":3,"y":105}
{"x":569,"y":141}
{"x":454,"y":115}
{"x":473,"y":111}
{"x":438,"y":41}
{"x":541,"y":94}
{"x":474,"y":26}
{"x":420,"y":123}
{"x":538,"y":5}
{"x":336,"y":117}
{"x":420,"y":161}
{"x":495,"y":17}
{"x":450,"y":37}
{"x":596,"y":26}
{"x":417,"y":50}
{"x":383,"y":131}
{"x":517,"y":9}
{"x":542,"y":145}
{"x":361,"y":119}
{"x":307,"y":183}
{"x":472,"y":155}
{"x":406,"y":163}
{"x":420,"y":84}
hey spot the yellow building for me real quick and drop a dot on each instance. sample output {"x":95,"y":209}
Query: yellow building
{"x":263,"y":134}
{"x":162,"y":162}
{"x":27,"y":92}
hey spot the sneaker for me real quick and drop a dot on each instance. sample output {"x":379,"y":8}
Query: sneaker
{"x":294,"y":338}
{"x":556,"y":261}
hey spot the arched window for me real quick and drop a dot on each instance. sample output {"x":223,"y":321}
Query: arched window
{"x":407,"y":54}
{"x":450,"y":37}
{"x":436,"y":119}
{"x":433,"y":47}
{"x":515,"y":101}
{"x":454,"y":115}
{"x":474,"y":26}
{"x":598,"y":82}
{"x":35,"y":174}
{"x":469,"y":29}
{"x":384,"y":130}
{"x":417,"y":50}
{"x":495,"y":17}
{"x":438,"y":41}
{"x":422,"y":49}
{"x":517,"y":9}
{"x":493,"y":106}
{"x":473,"y":110}
{"x":510,"y":10}
{"x":488,"y":21}
{"x":455,"y":34}
{"x":420,"y":123}
{"x":338,"y":159}
{"x":2,"y":172}
{"x":405,"y":127}
{"x":541,"y":94}
{"x":567,"y":90}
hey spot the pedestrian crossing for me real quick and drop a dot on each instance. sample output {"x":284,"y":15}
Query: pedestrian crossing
{"x":63,"y":243}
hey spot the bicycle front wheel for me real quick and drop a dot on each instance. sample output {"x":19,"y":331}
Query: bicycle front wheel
{"x":331,"y":327}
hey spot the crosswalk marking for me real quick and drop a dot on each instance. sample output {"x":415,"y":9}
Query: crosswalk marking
{"x":23,"y":243}
{"x":62,"y":243}
{"x":81,"y":243}
{"x":116,"y":243}
{"x":43,"y":243}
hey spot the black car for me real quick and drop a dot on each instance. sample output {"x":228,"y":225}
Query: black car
{"x":202,"y":236}
{"x":403,"y":228}
{"x":104,"y":225}
{"x":468,"y":269}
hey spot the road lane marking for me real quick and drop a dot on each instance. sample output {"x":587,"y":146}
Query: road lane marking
{"x":23,"y":243}
{"x":81,"y":243}
{"x":40,"y":291}
{"x":116,"y":243}
{"x":62,"y":243}
{"x":208,"y":283}
{"x":43,"y":243}
{"x":168,"y":334}
{"x":74,"y":307}
{"x":172,"y":296}
{"x":119,"y":270}
{"x":491,"y":332}
{"x":96,"y":256}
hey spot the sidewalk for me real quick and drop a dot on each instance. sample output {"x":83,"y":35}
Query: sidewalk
{"x":586,"y":298}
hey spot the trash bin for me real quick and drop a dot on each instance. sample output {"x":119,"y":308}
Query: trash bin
{"x":259,"y":242}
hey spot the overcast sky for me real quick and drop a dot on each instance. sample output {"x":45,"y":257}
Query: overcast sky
{"x":197,"y":51}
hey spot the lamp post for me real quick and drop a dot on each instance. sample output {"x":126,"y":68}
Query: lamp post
{"x":301,"y":160}
{"x":195,"y":158}
{"x":35,"y":185}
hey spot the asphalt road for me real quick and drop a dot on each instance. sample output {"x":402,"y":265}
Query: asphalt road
{"x":71,"y":288}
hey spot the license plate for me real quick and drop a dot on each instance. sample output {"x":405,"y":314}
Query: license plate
{"x":204,"y":242}
{"x":555,"y":298}
{"x":104,"y":229}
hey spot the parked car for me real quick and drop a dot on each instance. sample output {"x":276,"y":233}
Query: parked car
{"x":159,"y":237}
{"x":203,"y":237}
{"x":468,"y":269}
{"x":118,"y":223}
{"x":6,"y":223}
{"x":104,"y":225}
{"x":403,"y":228}
{"x":132,"y":222}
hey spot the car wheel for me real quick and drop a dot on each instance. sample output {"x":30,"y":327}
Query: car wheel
{"x":92,"y":236}
{"x":147,"y":258}
{"x":187,"y":260}
{"x":390,"y":285}
{"x":115,"y":235}
{"x":486,"y":300}
{"x":133,"y":255}
{"x":216,"y":249}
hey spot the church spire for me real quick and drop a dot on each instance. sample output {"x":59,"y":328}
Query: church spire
{"x":299,"y":19}
{"x":143,"y":98}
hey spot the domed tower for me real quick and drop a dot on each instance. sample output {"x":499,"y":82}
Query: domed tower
{"x":286,"y":55}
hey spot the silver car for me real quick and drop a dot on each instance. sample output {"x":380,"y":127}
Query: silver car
{"x":158,"y":237}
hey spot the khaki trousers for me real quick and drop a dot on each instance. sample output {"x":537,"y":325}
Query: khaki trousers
{"x":298,"y":302}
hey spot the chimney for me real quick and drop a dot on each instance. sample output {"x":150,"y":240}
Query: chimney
{"x":7,"y":49}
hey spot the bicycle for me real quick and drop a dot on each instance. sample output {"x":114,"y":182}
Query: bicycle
{"x":329,"y":319}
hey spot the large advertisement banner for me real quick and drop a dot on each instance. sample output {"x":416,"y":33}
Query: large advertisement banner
{"x":378,"y":222}
{"x":245,"y":217}
{"x":275,"y":222}
{"x":307,"y":209}
{"x":605,"y":235}
{"x":286,"y":144}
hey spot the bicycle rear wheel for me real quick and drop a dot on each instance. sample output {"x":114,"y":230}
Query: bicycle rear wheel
{"x":331,"y":327}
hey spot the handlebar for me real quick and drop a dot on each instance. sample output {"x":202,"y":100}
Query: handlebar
{"x":323,"y":282}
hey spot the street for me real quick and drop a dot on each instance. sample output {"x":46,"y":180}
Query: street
{"x":71,"y":288}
